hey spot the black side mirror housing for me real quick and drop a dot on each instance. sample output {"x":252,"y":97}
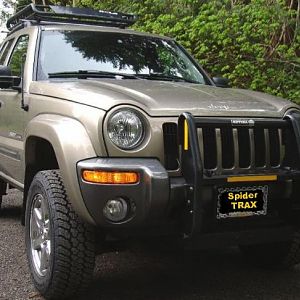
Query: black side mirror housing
{"x":7,"y":80}
{"x":5,"y":71}
{"x":221,"y":82}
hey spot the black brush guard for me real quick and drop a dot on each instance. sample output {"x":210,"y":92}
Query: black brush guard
{"x":200,"y":222}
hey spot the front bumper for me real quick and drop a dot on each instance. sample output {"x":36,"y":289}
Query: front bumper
{"x":147,"y":199}
{"x":166,"y":204}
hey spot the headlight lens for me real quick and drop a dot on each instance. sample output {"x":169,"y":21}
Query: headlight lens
{"x":125,"y":129}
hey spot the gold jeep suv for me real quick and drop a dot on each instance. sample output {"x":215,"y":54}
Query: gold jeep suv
{"x":113,"y":132}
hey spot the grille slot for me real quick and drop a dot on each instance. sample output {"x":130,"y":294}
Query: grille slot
{"x":210,"y":148}
{"x":170,"y":146}
{"x":227,"y":148}
{"x":274,"y":147}
{"x":244,"y":147}
{"x":260,"y":151}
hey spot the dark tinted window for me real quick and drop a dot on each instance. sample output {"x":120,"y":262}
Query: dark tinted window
{"x":71,"y":51}
{"x":19,"y":55}
{"x":4,"y":51}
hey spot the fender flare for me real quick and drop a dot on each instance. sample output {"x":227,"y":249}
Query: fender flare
{"x":71,"y":143}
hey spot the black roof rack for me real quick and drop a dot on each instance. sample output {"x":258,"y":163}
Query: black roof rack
{"x":63,"y":14}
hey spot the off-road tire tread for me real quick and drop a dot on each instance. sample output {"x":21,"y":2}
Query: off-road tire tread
{"x":74,"y":256}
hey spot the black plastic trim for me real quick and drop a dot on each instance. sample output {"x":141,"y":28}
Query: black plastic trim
{"x":73,"y":15}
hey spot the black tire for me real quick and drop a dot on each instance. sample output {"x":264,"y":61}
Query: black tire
{"x":274,"y":255}
{"x":71,"y":261}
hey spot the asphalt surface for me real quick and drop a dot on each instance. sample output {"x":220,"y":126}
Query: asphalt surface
{"x":147,"y":272}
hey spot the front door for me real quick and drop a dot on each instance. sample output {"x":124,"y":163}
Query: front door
{"x":12,"y":118}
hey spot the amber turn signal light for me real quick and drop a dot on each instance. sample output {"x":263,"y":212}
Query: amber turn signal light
{"x":106,"y":177}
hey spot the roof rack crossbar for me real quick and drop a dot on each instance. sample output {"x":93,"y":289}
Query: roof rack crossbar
{"x":76,"y":15}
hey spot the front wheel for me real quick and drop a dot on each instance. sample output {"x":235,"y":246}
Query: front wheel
{"x":59,"y":246}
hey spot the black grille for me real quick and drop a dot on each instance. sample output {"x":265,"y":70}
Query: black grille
{"x":244,"y":147}
{"x":223,"y":146}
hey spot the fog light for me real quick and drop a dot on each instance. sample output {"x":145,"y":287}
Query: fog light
{"x":115,"y":210}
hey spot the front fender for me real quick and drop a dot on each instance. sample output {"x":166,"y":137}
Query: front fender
{"x":71,"y":143}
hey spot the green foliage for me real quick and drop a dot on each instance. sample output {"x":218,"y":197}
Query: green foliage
{"x":256,"y":44}
{"x":19,"y":55}
{"x":22,"y":3}
{"x":6,"y":9}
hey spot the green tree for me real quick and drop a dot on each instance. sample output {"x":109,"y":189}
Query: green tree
{"x":8,"y":7}
{"x":253,"y":43}
{"x":256,"y":44}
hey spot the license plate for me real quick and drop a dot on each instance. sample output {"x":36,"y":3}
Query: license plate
{"x":242,"y":201}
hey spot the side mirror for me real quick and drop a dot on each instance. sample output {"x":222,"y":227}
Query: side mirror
{"x":7,"y":80}
{"x":5,"y":71}
{"x":221,"y":82}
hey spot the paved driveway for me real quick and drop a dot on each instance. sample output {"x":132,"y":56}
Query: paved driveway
{"x":143,"y":273}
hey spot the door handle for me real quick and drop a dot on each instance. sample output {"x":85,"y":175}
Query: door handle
{"x":1,"y":104}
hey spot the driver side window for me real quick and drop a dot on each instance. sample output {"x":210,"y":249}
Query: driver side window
{"x":18,"y":56}
{"x":5,"y":50}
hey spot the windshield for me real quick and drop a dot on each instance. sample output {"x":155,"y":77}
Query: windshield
{"x":152,"y":58}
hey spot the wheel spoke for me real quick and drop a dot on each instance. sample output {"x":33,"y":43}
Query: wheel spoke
{"x":45,"y":255}
{"x":34,"y":230}
{"x":46,"y":234}
{"x":36,"y":224}
{"x":44,"y":210}
{"x":37,"y":217}
{"x":37,"y":243}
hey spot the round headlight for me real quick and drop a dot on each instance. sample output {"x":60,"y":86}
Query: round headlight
{"x":125,"y":129}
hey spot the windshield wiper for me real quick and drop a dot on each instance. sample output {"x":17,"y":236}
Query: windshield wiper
{"x":163,"y":77}
{"x":84,"y":74}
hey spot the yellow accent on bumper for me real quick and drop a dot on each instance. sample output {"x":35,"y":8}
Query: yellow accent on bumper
{"x":252,"y":178}
{"x":186,"y":136}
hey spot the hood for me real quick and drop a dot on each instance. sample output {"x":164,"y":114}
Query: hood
{"x":160,"y":98}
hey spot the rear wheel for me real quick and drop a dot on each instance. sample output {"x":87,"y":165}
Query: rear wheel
{"x":60,"y":247}
{"x":280,"y":254}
